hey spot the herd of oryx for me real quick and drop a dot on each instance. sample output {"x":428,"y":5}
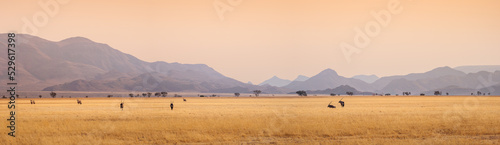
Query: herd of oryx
{"x":340,"y":101}
{"x":122,"y":104}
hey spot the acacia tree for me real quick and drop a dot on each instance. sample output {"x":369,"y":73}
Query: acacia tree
{"x":257,"y":92}
{"x":350,"y":93}
{"x":157,"y":94}
{"x":301,"y":93}
{"x":237,"y":94}
{"x":163,"y":94}
{"x":53,"y":94}
{"x":40,"y":96}
{"x":144,"y":94}
{"x":149,"y":94}
{"x":131,"y":95}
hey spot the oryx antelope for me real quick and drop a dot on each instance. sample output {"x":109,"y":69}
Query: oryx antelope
{"x":341,"y":102}
{"x":330,"y":105}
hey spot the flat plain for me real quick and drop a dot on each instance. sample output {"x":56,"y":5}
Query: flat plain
{"x":256,"y":120}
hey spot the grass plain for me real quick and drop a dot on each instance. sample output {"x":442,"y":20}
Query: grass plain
{"x":256,"y":120}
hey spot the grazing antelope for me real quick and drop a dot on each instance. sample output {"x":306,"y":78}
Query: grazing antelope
{"x":330,"y":105}
{"x":79,"y":101}
{"x":341,"y":102}
{"x":184,"y":99}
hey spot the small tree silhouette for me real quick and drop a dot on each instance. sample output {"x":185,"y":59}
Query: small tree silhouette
{"x":131,"y":95}
{"x":257,"y":92}
{"x":53,"y":94}
{"x":301,"y":93}
{"x":164,"y":94}
{"x":40,"y":96}
{"x":237,"y":94}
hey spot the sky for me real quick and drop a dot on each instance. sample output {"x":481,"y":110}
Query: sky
{"x":253,"y":40}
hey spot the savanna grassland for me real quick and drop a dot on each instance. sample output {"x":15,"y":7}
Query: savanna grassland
{"x":244,"y":120}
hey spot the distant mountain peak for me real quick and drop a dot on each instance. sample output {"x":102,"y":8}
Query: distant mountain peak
{"x":367,"y":78}
{"x":329,"y":72}
{"x":275,"y":81}
{"x":445,"y":70}
{"x":77,"y":39}
{"x":301,"y":78}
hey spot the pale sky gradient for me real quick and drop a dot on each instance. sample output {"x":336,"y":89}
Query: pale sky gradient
{"x":286,"y":38}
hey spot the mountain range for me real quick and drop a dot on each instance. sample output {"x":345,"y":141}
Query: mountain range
{"x":278,"y":82}
{"x":328,"y":79}
{"x":80,"y":64}
{"x":478,"y":68}
{"x":340,"y":90}
{"x":366,"y":78}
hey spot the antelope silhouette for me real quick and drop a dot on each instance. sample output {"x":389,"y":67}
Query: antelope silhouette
{"x":330,"y":105}
{"x":341,"y":102}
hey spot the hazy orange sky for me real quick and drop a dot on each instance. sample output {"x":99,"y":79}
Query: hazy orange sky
{"x":286,"y":38}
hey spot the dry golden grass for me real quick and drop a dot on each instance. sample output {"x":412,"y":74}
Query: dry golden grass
{"x":364,"y":120}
